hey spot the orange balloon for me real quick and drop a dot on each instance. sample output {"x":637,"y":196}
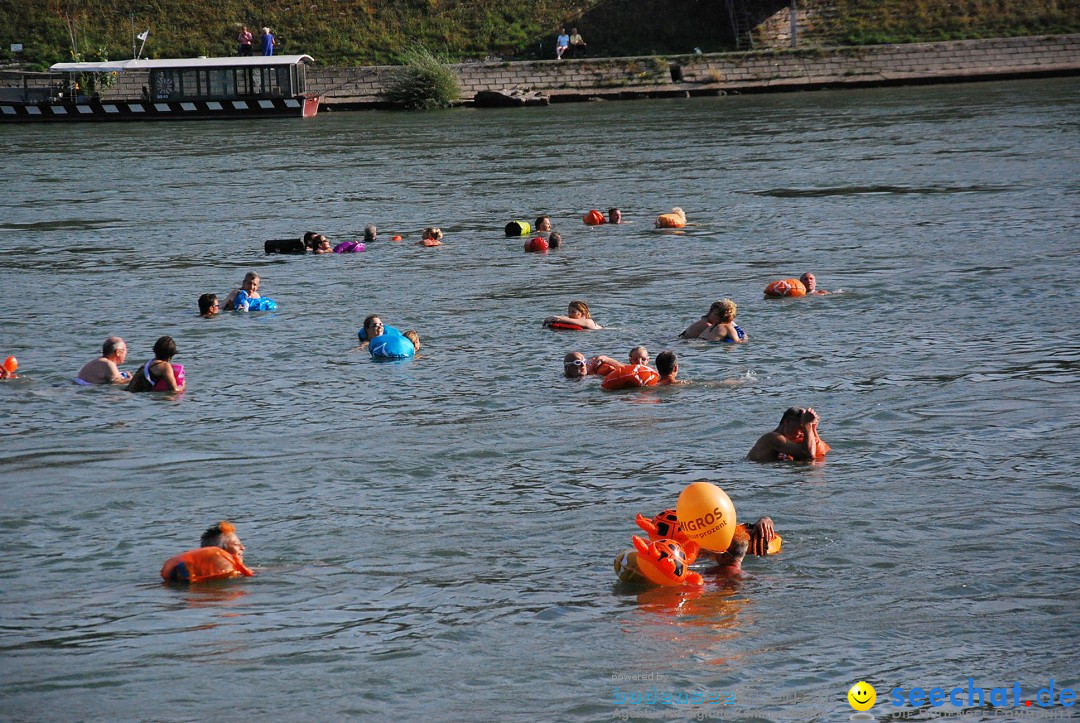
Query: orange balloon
{"x":706,"y":515}
{"x":396,"y":238}
{"x":11,"y":364}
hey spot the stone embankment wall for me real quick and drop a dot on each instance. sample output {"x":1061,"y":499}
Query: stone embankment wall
{"x":710,"y":74}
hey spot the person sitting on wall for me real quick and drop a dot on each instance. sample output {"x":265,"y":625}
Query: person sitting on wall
{"x":577,"y":44}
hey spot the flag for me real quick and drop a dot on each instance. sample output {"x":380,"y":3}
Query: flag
{"x":143,"y":34}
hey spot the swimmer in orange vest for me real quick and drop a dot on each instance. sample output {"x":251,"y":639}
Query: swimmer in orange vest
{"x":221,"y":555}
{"x":577,"y":315}
{"x":668,"y":366}
{"x":794,"y":439}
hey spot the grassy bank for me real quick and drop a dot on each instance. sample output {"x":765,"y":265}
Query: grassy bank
{"x":346,"y":32}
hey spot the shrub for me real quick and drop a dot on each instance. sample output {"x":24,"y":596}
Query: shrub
{"x":423,"y":82}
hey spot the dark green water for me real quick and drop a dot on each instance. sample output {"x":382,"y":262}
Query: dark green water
{"x":435,"y":538}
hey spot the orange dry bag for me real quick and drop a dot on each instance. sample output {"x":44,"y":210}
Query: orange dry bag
{"x":204,"y":563}
{"x":785,"y":287}
{"x":670,"y":220}
{"x":594,"y":218}
{"x":631,"y":375}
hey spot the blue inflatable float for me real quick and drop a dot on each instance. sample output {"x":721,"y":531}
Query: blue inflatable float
{"x":243,"y":302}
{"x":391,"y":345}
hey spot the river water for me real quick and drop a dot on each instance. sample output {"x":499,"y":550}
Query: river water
{"x":435,"y":538}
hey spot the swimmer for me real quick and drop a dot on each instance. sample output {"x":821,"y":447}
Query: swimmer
{"x":208,"y":306}
{"x":614,"y":215}
{"x":432,"y":236}
{"x":542,"y":225}
{"x":105,"y":369}
{"x":725,"y":328}
{"x":577,"y":314}
{"x":220,"y":554}
{"x":668,"y":366}
{"x":712,"y":316}
{"x":157,"y":369}
{"x":554,"y":240}
{"x":811,"y":285}
{"x":753,"y":538}
{"x":575,"y":366}
{"x":370,"y":232}
{"x":794,"y":439}
{"x":251,"y":288}
{"x":414,"y":338}
{"x":309,"y":239}
{"x":373,"y":327}
{"x":321,"y":245}
{"x":639,"y":355}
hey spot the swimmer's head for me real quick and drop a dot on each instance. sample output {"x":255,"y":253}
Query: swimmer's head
{"x":114,"y":345}
{"x":554,"y":240}
{"x":309,"y":237}
{"x":667,"y":363}
{"x":543,"y":223}
{"x":223,"y":535}
{"x":433,"y":232}
{"x":678,"y":212}
{"x":578,"y":310}
{"x":792,"y":417}
{"x":574,"y":365}
{"x":165,"y":348}
{"x":369,"y":233}
{"x":614,"y":215}
{"x":722,"y":312}
{"x":809,"y":281}
{"x":414,"y":338}
{"x":252,"y":280}
{"x":373,"y":326}
{"x":208,"y":304}
{"x":639,"y":355}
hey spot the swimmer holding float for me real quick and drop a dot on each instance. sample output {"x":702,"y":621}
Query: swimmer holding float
{"x":794,"y":439}
{"x":577,"y":318}
{"x":805,"y":285}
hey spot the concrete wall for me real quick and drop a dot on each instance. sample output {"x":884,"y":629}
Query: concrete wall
{"x":752,"y":71}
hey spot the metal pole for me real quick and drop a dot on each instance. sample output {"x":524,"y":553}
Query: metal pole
{"x":133,"y":33}
{"x":794,"y":26}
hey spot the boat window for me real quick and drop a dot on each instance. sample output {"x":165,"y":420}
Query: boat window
{"x":222,"y":84}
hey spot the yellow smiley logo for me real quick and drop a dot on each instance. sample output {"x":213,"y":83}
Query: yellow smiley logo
{"x":862,"y":696}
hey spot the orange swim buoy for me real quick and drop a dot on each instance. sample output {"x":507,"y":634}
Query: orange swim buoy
{"x":629,"y":376}
{"x":594,"y":218}
{"x":563,"y":326}
{"x":603,"y":368}
{"x":203,"y":563}
{"x":675,"y":219}
{"x":538,"y":245}
{"x":785,"y":287}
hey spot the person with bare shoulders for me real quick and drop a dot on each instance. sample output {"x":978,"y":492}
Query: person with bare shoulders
{"x":209,"y":306}
{"x":794,"y":439}
{"x":542,"y":225}
{"x":614,"y":215}
{"x":159,"y":374}
{"x":668,"y":366}
{"x":811,"y":285}
{"x":577,"y":315}
{"x":105,"y":369}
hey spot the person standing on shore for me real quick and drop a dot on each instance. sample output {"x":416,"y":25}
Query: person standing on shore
{"x":243,"y":42}
{"x":267,"y":42}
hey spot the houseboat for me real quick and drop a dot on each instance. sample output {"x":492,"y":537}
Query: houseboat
{"x":164,"y":89}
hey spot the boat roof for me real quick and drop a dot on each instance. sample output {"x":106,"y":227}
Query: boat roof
{"x":115,"y":66}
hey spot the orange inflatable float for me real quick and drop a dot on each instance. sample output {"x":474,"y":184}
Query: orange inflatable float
{"x":662,"y":562}
{"x":594,"y":218}
{"x":785,"y":287}
{"x":538,"y":245}
{"x":629,"y":376}
{"x":204,"y":563}
{"x":601,"y":368}
{"x":666,"y":524}
{"x":675,"y":219}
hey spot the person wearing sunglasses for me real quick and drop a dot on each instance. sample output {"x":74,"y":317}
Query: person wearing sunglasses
{"x":208,"y":305}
